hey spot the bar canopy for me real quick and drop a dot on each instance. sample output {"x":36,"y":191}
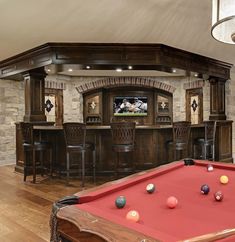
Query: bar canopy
{"x":109,"y":56}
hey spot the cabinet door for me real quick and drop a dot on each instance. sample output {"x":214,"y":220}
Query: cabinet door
{"x":93,"y":108}
{"x":163,"y":109}
{"x":194,"y":106}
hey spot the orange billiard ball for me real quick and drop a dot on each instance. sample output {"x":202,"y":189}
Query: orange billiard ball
{"x":133,"y":216}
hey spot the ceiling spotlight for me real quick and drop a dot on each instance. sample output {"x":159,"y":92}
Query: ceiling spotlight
{"x":174,"y":70}
{"x":196,"y":74}
{"x":119,"y":69}
{"x":48,"y":70}
{"x":130,"y":67}
{"x":70,"y":70}
{"x":88,"y":67}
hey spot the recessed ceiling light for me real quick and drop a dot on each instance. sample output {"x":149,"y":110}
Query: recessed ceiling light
{"x":130,"y":67}
{"x":196,"y":75}
{"x":174,"y":70}
{"x":119,"y":69}
{"x":48,"y":70}
{"x":70,"y":69}
{"x":88,"y":67}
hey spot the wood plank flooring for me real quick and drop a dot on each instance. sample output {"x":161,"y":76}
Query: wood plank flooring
{"x":25,"y":207}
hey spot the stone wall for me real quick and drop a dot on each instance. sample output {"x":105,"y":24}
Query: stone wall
{"x":11,"y":111}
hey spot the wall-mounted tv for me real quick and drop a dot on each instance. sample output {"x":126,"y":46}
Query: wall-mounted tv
{"x":130,"y":106}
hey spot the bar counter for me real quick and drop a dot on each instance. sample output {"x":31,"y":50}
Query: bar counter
{"x":150,"y":150}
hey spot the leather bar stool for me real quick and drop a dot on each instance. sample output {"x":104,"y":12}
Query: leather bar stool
{"x":204,"y":148}
{"x":181,"y":134}
{"x":75,"y":138}
{"x":31,"y":147}
{"x":123,"y":140}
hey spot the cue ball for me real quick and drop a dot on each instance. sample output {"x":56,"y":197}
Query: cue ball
{"x":150,"y":188}
{"x":133,"y":216}
{"x":120,"y":202}
{"x":224,"y":179}
{"x":171,"y":202}
{"x":210,"y":167}
{"x":218,"y":196}
{"x":205,"y":189}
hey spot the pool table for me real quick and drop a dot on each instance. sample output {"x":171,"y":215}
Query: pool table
{"x":91,"y":215}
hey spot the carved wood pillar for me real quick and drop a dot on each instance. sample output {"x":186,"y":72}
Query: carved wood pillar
{"x":34,"y":81}
{"x":217,"y":99}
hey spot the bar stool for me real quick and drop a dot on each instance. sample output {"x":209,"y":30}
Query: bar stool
{"x":123,"y":140}
{"x":206,"y":144}
{"x":30,"y":148}
{"x":75,"y":138}
{"x":180,"y":142}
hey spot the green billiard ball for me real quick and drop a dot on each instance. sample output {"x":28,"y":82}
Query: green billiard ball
{"x":120,"y":202}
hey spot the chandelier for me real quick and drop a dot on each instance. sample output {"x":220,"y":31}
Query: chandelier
{"x":223,"y":20}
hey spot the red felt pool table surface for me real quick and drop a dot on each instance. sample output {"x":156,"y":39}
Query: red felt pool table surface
{"x":196,"y":214}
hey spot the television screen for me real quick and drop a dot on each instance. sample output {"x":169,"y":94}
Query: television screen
{"x":130,"y":106}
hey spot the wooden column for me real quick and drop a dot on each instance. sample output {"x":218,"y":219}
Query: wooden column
{"x":217,"y":99}
{"x":34,"y":81}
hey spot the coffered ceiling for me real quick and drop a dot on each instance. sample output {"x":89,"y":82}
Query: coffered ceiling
{"x":184,"y":24}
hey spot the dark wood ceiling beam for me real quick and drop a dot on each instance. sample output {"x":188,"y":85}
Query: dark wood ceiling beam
{"x":144,"y":55}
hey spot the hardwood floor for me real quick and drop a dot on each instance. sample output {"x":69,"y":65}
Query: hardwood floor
{"x":25,"y":207}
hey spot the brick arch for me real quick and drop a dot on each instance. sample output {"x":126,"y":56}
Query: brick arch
{"x":125,"y":81}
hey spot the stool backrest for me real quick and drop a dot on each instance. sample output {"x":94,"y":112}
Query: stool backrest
{"x":181,"y":131}
{"x":210,"y":130}
{"x":75,"y":133}
{"x":123,"y":133}
{"x":27,"y":132}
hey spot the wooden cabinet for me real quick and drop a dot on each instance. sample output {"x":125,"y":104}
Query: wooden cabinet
{"x":101,"y":106}
{"x":93,"y":113}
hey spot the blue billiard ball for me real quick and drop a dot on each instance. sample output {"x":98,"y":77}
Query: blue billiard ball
{"x":205,"y":189}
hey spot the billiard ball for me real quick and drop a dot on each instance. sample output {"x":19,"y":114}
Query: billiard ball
{"x":218,"y":196}
{"x":133,"y":216}
{"x":171,"y":202}
{"x":150,"y":188}
{"x":224,"y":179}
{"x":210,"y":167}
{"x":205,"y":189}
{"x":120,"y":202}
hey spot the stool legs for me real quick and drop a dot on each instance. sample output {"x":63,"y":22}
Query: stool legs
{"x":94,"y":165}
{"x":83,"y":168}
{"x":67,"y":167}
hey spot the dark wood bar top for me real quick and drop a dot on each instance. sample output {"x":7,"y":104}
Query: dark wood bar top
{"x":104,"y":127}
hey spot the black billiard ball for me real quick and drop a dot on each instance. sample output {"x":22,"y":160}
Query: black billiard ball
{"x":218,"y":196}
{"x":120,"y":202}
{"x":205,"y":189}
{"x":150,"y":188}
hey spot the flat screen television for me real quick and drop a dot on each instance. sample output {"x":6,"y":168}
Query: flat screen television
{"x":130,"y":106}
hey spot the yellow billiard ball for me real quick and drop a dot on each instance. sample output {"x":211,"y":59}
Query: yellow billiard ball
{"x":224,"y":179}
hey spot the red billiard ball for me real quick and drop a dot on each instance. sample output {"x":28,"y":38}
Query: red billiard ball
{"x":133,"y":216}
{"x":171,"y":202}
{"x":218,"y":196}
